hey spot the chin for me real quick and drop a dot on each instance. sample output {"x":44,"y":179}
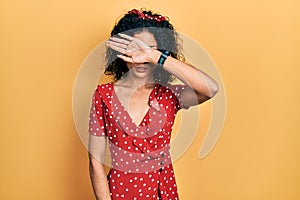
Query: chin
{"x":142,"y":74}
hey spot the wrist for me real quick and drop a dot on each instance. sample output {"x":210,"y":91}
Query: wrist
{"x":155,"y":55}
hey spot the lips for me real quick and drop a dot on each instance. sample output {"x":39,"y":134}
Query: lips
{"x":140,"y":69}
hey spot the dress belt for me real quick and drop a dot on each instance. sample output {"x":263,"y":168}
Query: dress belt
{"x":139,"y":162}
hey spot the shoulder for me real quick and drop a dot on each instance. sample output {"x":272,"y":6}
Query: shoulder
{"x":165,"y":92}
{"x":105,"y":86}
{"x":175,"y":89}
{"x":103,"y":91}
{"x":168,"y":88}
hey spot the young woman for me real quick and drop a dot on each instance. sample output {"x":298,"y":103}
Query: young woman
{"x":136,"y":112}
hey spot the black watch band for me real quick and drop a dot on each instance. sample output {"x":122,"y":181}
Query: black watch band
{"x":163,"y":58}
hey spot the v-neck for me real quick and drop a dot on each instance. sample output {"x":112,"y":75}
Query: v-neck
{"x":114,"y":95}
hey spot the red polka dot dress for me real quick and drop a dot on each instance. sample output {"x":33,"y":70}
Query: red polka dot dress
{"x":141,"y":162}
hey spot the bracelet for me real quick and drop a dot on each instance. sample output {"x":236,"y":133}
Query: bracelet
{"x":163,"y":58}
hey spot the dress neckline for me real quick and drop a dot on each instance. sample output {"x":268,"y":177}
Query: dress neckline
{"x":150,"y":97}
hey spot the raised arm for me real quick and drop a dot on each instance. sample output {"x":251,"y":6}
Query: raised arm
{"x":97,"y":147}
{"x":201,"y":87}
{"x":200,"y":84}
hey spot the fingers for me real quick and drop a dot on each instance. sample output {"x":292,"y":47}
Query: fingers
{"x":126,"y":37}
{"x":139,"y":43}
{"x":116,"y":46}
{"x":126,"y":58}
{"x":124,"y":46}
{"x":120,"y":41}
{"x":123,"y":43}
{"x":124,"y":49}
{"x":133,"y":49}
{"x":127,"y":40}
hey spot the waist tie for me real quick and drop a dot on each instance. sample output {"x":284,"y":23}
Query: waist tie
{"x":140,"y":162}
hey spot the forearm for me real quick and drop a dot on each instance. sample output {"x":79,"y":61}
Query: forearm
{"x":99,"y":180}
{"x":195,"y":78}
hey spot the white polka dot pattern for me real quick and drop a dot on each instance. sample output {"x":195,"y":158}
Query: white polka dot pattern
{"x":141,"y":162}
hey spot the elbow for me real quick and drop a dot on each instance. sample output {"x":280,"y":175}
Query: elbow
{"x":213,"y":90}
{"x":95,"y":169}
{"x":95,"y":163}
{"x":92,"y":167}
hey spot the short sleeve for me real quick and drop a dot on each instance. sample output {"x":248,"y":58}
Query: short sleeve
{"x":96,"y":120}
{"x":177,"y":91}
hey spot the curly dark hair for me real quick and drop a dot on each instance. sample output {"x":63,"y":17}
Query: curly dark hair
{"x":163,"y":32}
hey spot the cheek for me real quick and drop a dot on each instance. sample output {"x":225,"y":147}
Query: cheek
{"x":130,"y":66}
{"x":152,"y":66}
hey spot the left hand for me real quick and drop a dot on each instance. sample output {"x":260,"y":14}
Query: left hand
{"x":133,"y":49}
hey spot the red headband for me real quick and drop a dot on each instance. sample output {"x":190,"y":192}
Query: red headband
{"x":157,"y":18}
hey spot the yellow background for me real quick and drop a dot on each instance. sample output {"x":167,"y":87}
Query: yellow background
{"x":255,"y":44}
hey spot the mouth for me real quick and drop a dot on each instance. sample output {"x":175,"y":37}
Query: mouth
{"x":140,"y":69}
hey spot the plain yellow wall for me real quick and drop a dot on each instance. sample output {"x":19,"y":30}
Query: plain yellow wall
{"x":255,"y":44}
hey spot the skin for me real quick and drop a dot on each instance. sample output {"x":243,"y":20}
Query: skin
{"x":137,"y":50}
{"x":141,"y":54}
{"x":138,"y":83}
